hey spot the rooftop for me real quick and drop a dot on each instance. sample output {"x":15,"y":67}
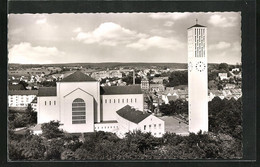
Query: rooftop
{"x":77,"y":77}
{"x":196,"y":25}
{"x":115,"y":90}
{"x":22,"y":92}
{"x":47,"y":91}
{"x":16,"y":87}
{"x":132,"y":114}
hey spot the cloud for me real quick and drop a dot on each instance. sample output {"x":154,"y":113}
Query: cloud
{"x":25,"y":53}
{"x":41,"y":21}
{"x":221,"y":21}
{"x":220,"y":45}
{"x":156,"y":41}
{"x":172,"y":16}
{"x":78,"y":29}
{"x":110,"y":34}
{"x":168,"y":23}
{"x":236,"y":46}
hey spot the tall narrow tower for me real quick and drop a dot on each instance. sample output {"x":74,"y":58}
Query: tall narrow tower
{"x":198,"y":78}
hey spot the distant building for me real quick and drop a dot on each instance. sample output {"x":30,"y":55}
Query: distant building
{"x":145,"y":84}
{"x":235,"y":69}
{"x":157,"y":87}
{"x":222,"y":76}
{"x":28,"y":72}
{"x":34,"y":104}
{"x":130,"y":119}
{"x":21,"y":98}
{"x":230,"y":86}
{"x":106,"y":74}
{"x":215,"y":93}
{"x":159,"y":80}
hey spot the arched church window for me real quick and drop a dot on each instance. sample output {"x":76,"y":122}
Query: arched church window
{"x":78,"y":111}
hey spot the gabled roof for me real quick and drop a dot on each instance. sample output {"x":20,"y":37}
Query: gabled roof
{"x":22,"y":92}
{"x":115,"y":90}
{"x":196,"y":25}
{"x":77,"y":77}
{"x":47,"y":91}
{"x":132,"y":114}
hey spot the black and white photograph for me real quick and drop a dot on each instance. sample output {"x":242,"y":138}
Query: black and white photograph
{"x":125,"y":86}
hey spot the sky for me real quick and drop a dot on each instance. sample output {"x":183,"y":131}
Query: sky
{"x":119,"y":37}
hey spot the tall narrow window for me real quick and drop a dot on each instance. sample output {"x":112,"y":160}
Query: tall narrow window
{"x":122,"y":100}
{"x":50,"y":102}
{"x":54,"y":102}
{"x":78,"y":111}
{"x":105,"y":100}
{"x":45,"y":103}
{"x":135,"y":100}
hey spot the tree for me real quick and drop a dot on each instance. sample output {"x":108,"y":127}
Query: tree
{"x":51,"y":130}
{"x":178,"y":78}
{"x":223,"y":66}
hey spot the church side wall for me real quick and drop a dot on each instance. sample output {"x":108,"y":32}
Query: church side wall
{"x":112,"y":103}
{"x":48,"y":109}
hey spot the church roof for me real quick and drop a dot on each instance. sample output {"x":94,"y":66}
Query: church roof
{"x":132,"y":114}
{"x":47,"y":91}
{"x":197,"y":25}
{"x":77,"y":77}
{"x":22,"y":92}
{"x":115,"y":90}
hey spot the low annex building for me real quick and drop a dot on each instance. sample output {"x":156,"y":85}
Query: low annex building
{"x":131,"y":119}
{"x":82,"y":105}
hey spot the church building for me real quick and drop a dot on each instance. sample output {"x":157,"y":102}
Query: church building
{"x":82,"y":105}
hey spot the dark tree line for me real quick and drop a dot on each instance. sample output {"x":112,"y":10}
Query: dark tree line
{"x":178,"y":78}
{"x":135,"y":146}
{"x":174,"y":107}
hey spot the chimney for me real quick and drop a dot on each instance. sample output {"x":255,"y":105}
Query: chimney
{"x":133,"y":77}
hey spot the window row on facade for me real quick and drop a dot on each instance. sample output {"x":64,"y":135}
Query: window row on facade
{"x":106,"y":127}
{"x":131,"y":100}
{"x":154,"y":126}
{"x":50,"y":103}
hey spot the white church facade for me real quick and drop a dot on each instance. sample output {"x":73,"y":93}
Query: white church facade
{"x":81,"y":105}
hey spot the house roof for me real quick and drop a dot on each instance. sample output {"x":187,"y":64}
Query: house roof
{"x":47,"y":91}
{"x":172,"y":98}
{"x":196,"y":25}
{"x":115,"y":90}
{"x":16,"y":87}
{"x":132,"y":114}
{"x":78,"y":77}
{"x":22,"y":92}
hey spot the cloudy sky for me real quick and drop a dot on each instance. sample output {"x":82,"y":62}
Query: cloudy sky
{"x":121,"y":37}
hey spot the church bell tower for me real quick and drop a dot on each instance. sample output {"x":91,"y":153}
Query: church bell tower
{"x":198,"y":78}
